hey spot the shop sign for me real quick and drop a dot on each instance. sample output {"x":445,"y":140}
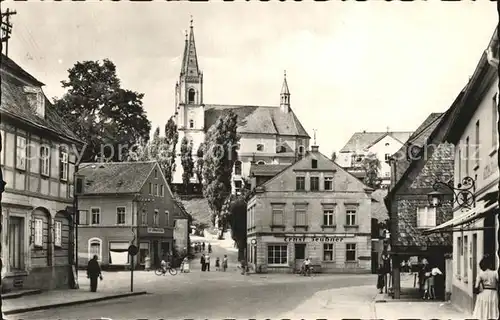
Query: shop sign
{"x":317,"y":238}
{"x":156,"y":230}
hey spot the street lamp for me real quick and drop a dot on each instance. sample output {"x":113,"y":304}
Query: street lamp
{"x":463,"y":193}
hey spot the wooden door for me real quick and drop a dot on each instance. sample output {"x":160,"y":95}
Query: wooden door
{"x":300,"y":254}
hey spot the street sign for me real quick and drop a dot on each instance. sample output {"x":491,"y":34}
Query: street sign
{"x":132,"y":250}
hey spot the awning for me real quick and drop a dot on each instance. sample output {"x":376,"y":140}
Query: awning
{"x":481,"y":209}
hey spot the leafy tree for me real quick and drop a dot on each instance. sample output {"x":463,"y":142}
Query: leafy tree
{"x":171,"y":139}
{"x":371,"y":166}
{"x":235,"y":209}
{"x":334,"y":156}
{"x":109,"y":118}
{"x":187,"y":162}
{"x":199,"y":163}
{"x":221,"y":140}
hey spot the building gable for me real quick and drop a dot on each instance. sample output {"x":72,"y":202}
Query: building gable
{"x":381,"y":144}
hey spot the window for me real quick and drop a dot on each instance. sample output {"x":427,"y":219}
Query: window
{"x":314,"y":163}
{"x":387,"y":157}
{"x":38,"y":225}
{"x":467,"y":156}
{"x":476,"y":147}
{"x":191,"y":95}
{"x":95,"y":248}
{"x":58,"y":234}
{"x":466,"y":256}
{"x":156,"y":221}
{"x":261,"y":163}
{"x":21,"y":153}
{"x":301,"y":216}
{"x":328,"y":183}
{"x":63,"y":165}
{"x":276,"y":254}
{"x":328,"y":252}
{"x":45,"y":160}
{"x":156,"y":174}
{"x":237,"y":186}
{"x":328,"y":217}
{"x":144,"y":218}
{"x":278,"y":217}
{"x":237,"y":168}
{"x":83,"y":217}
{"x":151,"y":189}
{"x":460,"y":253}
{"x":300,"y":183}
{"x":143,"y":252}
{"x":120,"y":215}
{"x":301,"y":150}
{"x":494,"y":120}
{"x":191,"y":124}
{"x":96,"y":215}
{"x":314,"y":183}
{"x":459,"y":161}
{"x":155,"y":189}
{"x":350,"y":252}
{"x":260,"y":147}
{"x":426,"y":217}
{"x":167,"y":218}
{"x":351,"y":217}
{"x":162,"y":190}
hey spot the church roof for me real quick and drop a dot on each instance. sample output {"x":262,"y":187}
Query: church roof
{"x":364,"y":140}
{"x":258,"y":119}
{"x":190,"y":58}
{"x":284,"y":88}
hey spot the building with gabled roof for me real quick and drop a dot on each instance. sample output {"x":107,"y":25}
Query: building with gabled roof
{"x":124,"y":203}
{"x":361,"y":144}
{"x":37,"y":160}
{"x":269,"y":134}
{"x":310,"y":209}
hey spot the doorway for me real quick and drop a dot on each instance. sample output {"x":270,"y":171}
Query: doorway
{"x":474,"y":265}
{"x":300,"y":254}
{"x":16,"y":243}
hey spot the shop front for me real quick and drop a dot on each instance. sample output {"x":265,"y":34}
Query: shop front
{"x":157,"y":242}
{"x":328,"y":252}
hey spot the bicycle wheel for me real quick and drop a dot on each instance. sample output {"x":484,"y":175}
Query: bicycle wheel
{"x":172,"y":271}
{"x":158,"y":272}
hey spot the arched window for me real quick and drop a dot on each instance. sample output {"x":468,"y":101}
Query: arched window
{"x":191,"y":95}
{"x":301,"y":150}
{"x":237,"y":168}
{"x":261,"y":162}
{"x":191,"y":123}
{"x":95,"y":248}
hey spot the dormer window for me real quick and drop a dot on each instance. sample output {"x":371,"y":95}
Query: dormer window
{"x":260,"y":147}
{"x":191,"y":124}
{"x":314,"y":163}
{"x":36,"y":99}
{"x":191,"y":95}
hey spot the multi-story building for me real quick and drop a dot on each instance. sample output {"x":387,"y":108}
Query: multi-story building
{"x":474,"y":132}
{"x":361,"y":144}
{"x":269,"y":134}
{"x":312,"y":208}
{"x":37,"y":160}
{"x":124,"y":203}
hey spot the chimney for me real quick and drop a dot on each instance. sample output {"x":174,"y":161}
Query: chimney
{"x":314,"y":148}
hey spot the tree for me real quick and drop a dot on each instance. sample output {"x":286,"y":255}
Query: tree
{"x":235,"y":208}
{"x":109,"y":118}
{"x":199,"y":163}
{"x":371,"y":166}
{"x":171,"y":139}
{"x":187,"y":162}
{"x":334,"y":156}
{"x":221,"y":141}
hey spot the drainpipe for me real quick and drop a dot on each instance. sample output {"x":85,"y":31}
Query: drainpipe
{"x":2,"y":188}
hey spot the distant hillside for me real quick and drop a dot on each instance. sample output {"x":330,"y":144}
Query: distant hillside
{"x":198,"y":208}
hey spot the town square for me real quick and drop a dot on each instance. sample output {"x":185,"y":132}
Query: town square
{"x":288,"y":160}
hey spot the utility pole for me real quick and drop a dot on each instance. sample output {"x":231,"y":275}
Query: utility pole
{"x":6,"y":29}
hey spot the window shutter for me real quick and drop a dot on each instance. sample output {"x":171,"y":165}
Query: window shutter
{"x":431,"y":217}
{"x":61,"y":164}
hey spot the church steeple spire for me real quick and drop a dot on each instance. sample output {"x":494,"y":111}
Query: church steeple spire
{"x":190,"y":59}
{"x":285,"y":96}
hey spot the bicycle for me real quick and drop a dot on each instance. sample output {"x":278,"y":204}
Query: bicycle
{"x":303,"y":272}
{"x":161,"y":271}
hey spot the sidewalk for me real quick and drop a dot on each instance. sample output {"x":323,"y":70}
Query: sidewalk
{"x":359,"y":303}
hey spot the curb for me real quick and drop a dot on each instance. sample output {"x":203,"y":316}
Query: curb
{"x":13,"y":295}
{"x":72,"y":303}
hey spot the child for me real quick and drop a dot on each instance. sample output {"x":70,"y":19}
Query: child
{"x":217,"y":264}
{"x":380,"y":278}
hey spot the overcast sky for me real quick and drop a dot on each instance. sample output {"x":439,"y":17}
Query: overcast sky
{"x":350,"y":66}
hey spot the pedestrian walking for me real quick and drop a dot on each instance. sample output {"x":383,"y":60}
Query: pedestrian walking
{"x":486,"y":288}
{"x":93,"y":273}
{"x":207,"y":262}
{"x":147,"y":263}
{"x":203,"y":262}
{"x":381,"y":278}
{"x":224,"y":263}
{"x":209,"y":248}
{"x":203,"y":246}
{"x":217,"y":264}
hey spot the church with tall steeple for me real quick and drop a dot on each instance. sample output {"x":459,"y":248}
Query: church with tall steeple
{"x":270,"y":135}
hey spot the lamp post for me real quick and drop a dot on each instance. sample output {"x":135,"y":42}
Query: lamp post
{"x":463,"y":193}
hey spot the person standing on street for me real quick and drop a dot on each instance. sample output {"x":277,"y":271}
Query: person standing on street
{"x":207,"y":261}
{"x":224,"y":263}
{"x":209,"y":248}
{"x":217,"y":264}
{"x":486,"y":287}
{"x":93,"y":272}
{"x":203,"y":246}
{"x":202,"y":262}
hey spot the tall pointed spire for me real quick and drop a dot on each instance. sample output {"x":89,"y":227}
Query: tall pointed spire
{"x":285,"y":96}
{"x":190,"y":59}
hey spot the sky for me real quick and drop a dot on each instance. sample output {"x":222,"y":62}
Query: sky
{"x":350,"y":66}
